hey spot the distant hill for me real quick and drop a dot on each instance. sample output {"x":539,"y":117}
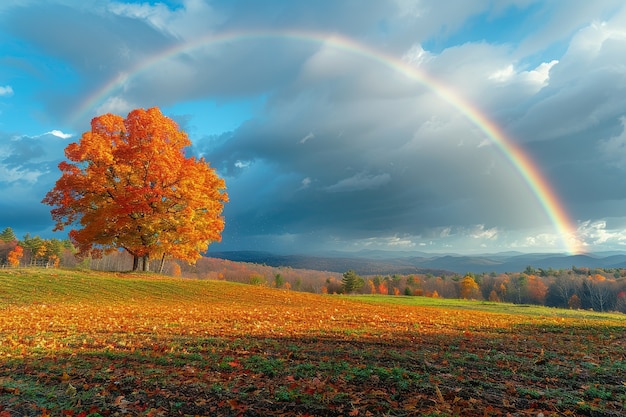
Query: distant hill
{"x":381,"y":262}
{"x":337,"y":263}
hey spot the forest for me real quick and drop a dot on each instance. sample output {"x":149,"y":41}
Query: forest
{"x":574,"y":288}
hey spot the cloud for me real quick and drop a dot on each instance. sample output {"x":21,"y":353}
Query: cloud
{"x":480,"y":232}
{"x":306,"y":183}
{"x":596,"y":233}
{"x":614,"y":148}
{"x":389,"y":243}
{"x":309,"y":136}
{"x":336,"y":144}
{"x":359,"y":181}
{"x":27,"y":159}
{"x":115,"y":105}
{"x":60,"y":134}
{"x":6,"y":91}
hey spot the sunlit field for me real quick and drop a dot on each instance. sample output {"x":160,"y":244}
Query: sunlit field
{"x":78,"y":343}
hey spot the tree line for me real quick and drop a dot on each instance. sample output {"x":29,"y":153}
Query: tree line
{"x":576,"y":288}
{"x":34,"y":251}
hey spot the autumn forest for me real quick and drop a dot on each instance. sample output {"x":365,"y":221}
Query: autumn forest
{"x":575,"y":288}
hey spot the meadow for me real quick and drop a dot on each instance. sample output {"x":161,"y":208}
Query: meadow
{"x":84,"y":343}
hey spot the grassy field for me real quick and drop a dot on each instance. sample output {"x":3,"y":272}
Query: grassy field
{"x":78,"y":343}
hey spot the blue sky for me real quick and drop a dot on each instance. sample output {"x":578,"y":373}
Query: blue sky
{"x":324,"y":149}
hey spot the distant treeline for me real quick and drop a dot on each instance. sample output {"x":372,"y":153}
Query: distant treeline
{"x":576,"y":288}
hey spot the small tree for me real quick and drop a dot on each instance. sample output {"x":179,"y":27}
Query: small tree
{"x":278,"y":280}
{"x":351,"y":282}
{"x":7,"y":235}
{"x":574,"y":302}
{"x":15,"y":256}
{"x":469,"y":288}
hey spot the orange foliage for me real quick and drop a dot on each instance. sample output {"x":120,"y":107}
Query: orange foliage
{"x":129,"y":185}
{"x":138,"y":349}
{"x":537,"y":289}
{"x":15,"y":256}
{"x":597,"y":278}
{"x":574,"y":302}
{"x":54,"y":260}
{"x":469,"y":287}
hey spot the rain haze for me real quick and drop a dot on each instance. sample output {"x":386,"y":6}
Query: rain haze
{"x":432,"y":126}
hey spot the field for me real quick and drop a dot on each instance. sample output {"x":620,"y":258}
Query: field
{"x":94,"y":344}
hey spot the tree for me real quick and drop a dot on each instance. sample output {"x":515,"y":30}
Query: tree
{"x":278,"y":280}
{"x":469,"y":288}
{"x":15,"y":256}
{"x":351,"y":282}
{"x":537,"y":290}
{"x":34,"y":247}
{"x":561,"y":290}
{"x":7,"y":235}
{"x":598,"y":293}
{"x":574,"y":302}
{"x":129,"y":185}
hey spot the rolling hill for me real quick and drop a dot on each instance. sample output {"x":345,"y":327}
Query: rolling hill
{"x":381,"y":262}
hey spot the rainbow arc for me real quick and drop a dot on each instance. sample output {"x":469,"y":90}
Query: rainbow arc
{"x":515,"y":154}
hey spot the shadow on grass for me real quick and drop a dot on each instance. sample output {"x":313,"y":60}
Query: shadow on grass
{"x":526,"y":372}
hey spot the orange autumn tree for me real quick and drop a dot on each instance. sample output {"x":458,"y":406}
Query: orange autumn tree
{"x":15,"y":256}
{"x":129,"y":185}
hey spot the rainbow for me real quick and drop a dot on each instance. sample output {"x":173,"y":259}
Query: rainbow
{"x":519,"y":159}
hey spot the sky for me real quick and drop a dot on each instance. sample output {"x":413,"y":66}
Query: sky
{"x":341,"y":125}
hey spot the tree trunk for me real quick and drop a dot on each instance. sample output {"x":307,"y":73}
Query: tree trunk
{"x":146,"y":263}
{"x":135,"y":263}
{"x":162,"y":266}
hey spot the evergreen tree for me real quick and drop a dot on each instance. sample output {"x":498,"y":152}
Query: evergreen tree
{"x":351,"y":282}
{"x":7,"y":235}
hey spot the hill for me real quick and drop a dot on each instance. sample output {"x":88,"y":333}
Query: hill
{"x":384,"y":263}
{"x":83,"y":343}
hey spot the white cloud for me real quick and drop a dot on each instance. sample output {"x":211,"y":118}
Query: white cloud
{"x":504,"y":74}
{"x":59,"y":134}
{"x":17,"y":174}
{"x":416,"y":55}
{"x":541,"y":74}
{"x":193,"y":18}
{"x":391,"y":242}
{"x":306,"y":182}
{"x":597,"y":233}
{"x":479,"y":232}
{"x":6,"y":91}
{"x":115,"y":105}
{"x":360,"y":181}
{"x":242,"y":164}
{"x":539,"y":241}
{"x":537,"y":76}
{"x":307,"y":137}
